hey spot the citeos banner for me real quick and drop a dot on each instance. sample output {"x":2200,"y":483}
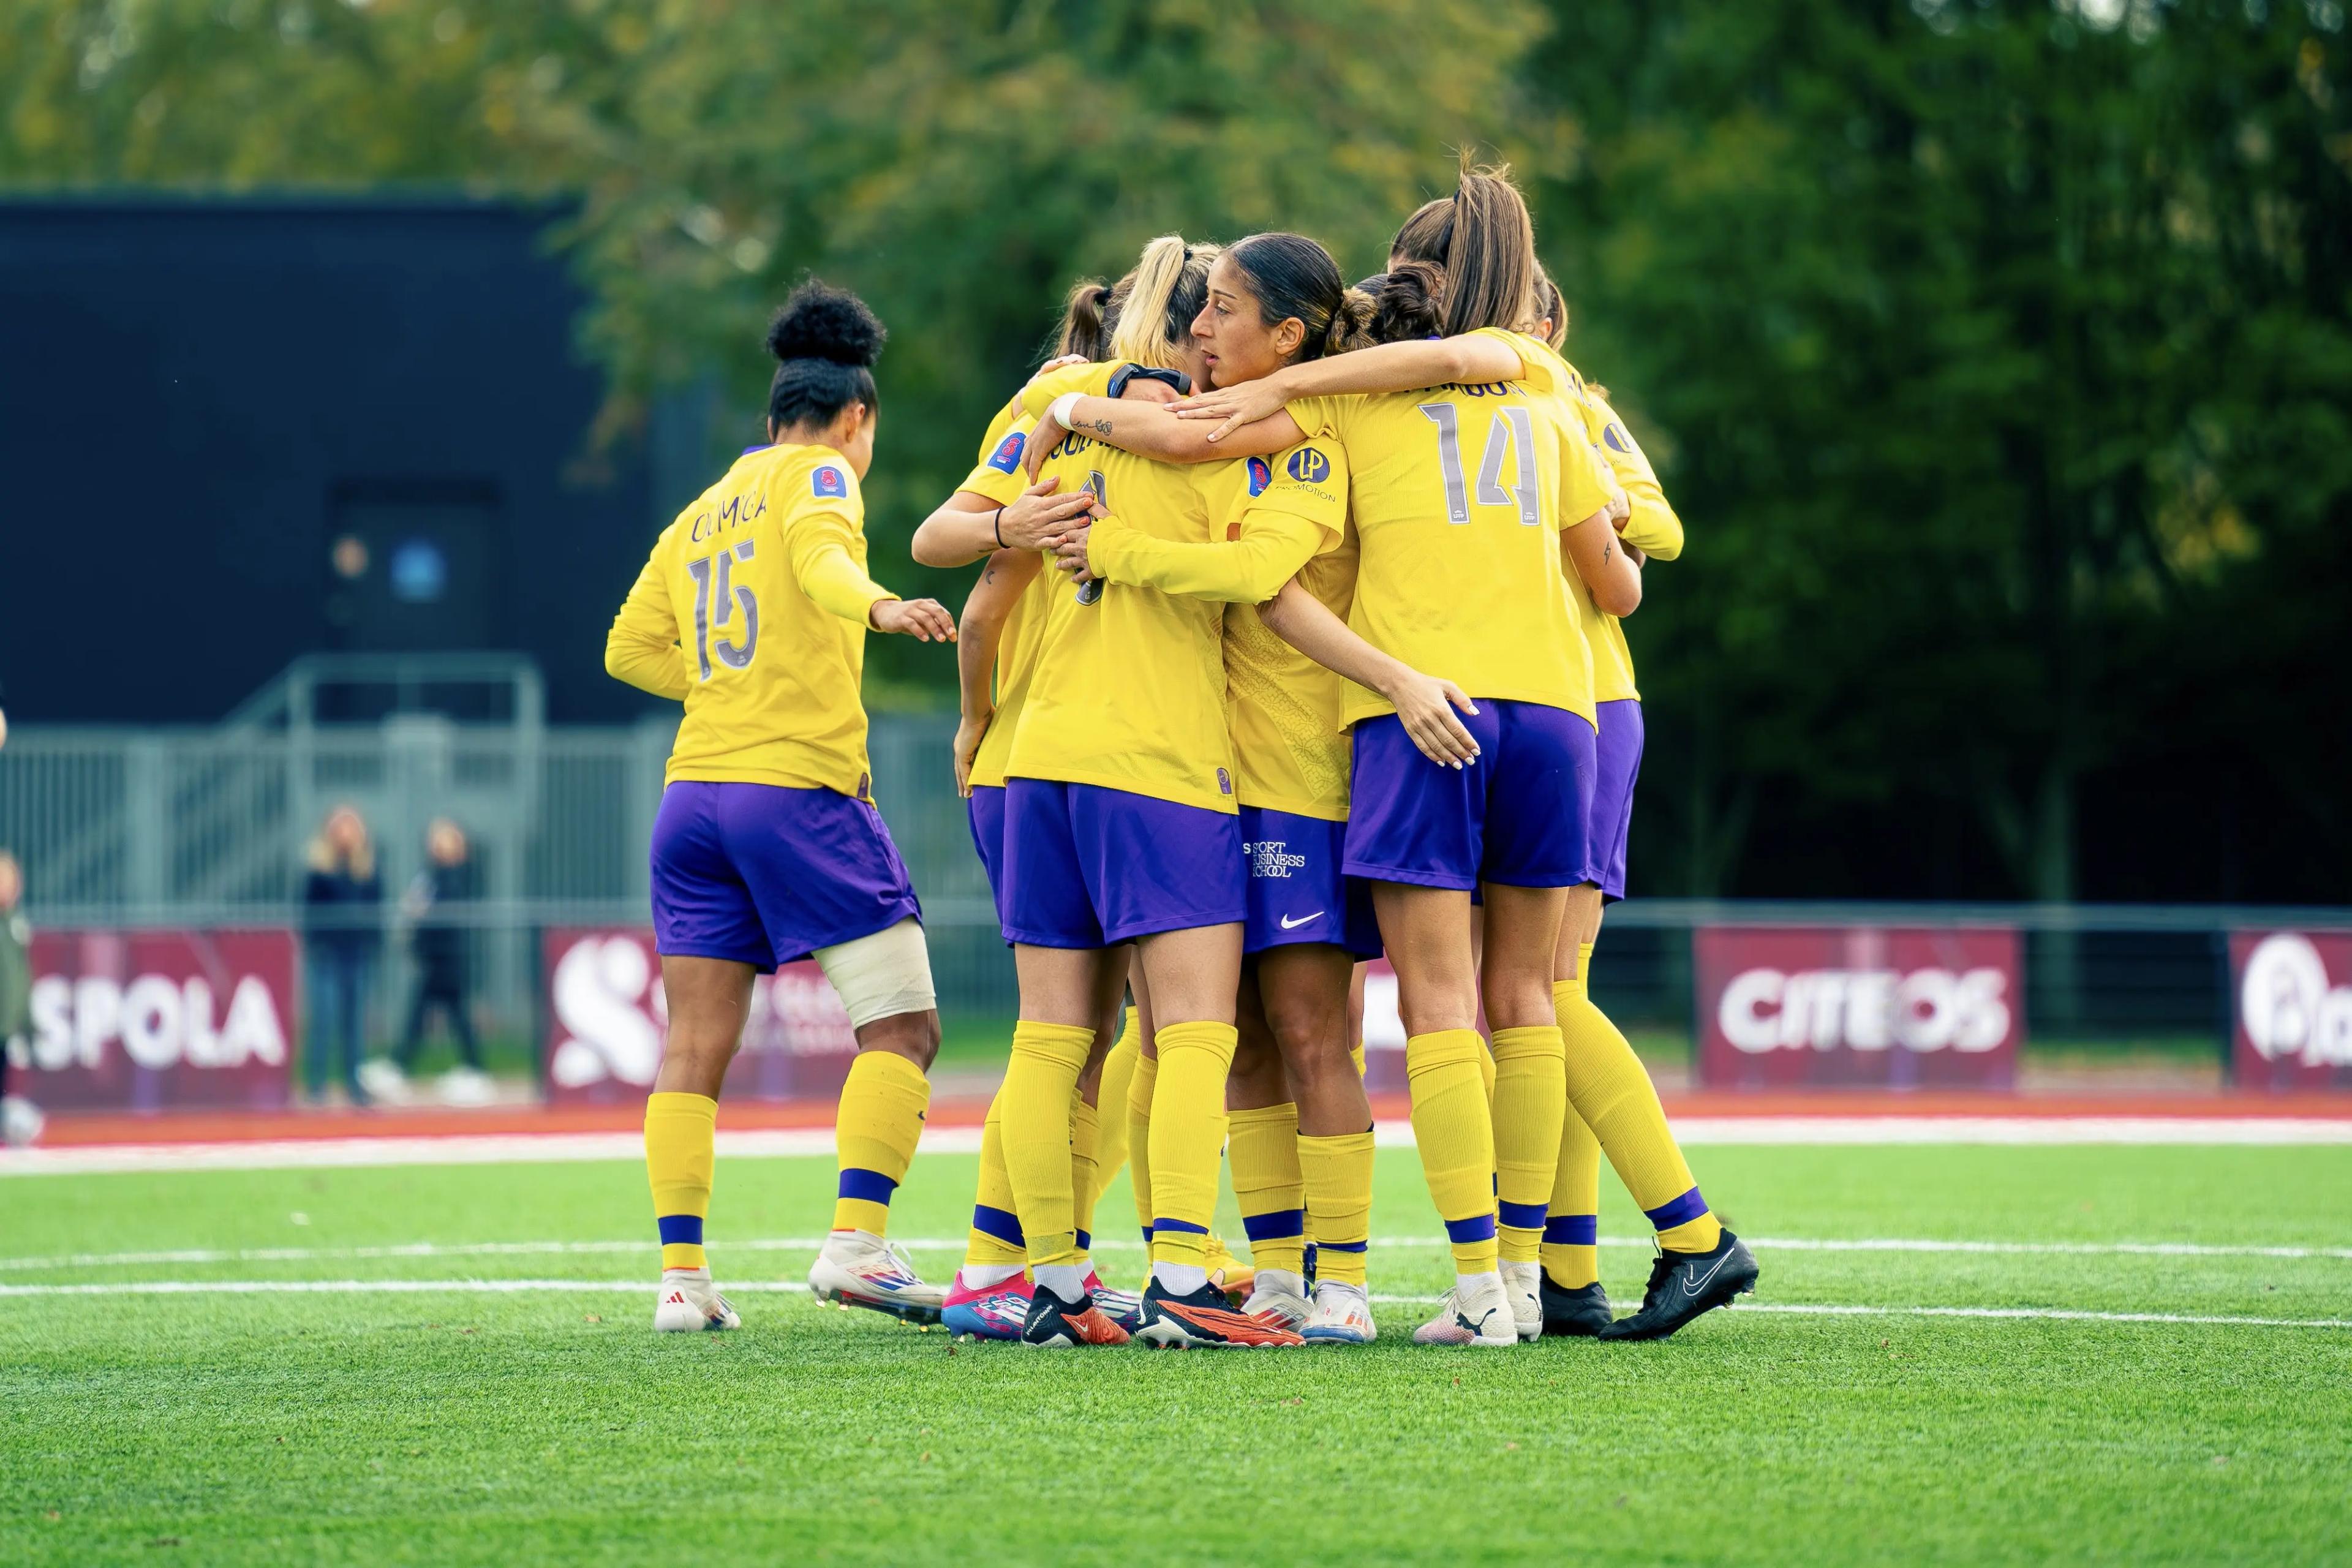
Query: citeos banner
{"x":608,"y":1017}
{"x":146,"y":1020}
{"x":2294,"y":1009}
{"x":1800,"y":1006}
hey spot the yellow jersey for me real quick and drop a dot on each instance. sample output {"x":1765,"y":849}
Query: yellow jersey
{"x":1130,"y":690}
{"x":1283,"y":708}
{"x":1458,"y":495}
{"x":996,"y":473}
{"x":753,"y":609}
{"x":1652,"y":526}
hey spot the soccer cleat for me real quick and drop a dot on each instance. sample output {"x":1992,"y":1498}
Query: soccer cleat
{"x":1580,"y":1313}
{"x":1226,"y":1272}
{"x":689,"y":1303}
{"x":995,"y":1312}
{"x":1685,"y":1284}
{"x":1520,"y":1283}
{"x":1341,"y":1317}
{"x":1124,"y":1308}
{"x":1279,"y":1295}
{"x":858,"y":1268}
{"x":1204,"y":1318}
{"x":1053,"y":1323}
{"x":1479,"y":1315}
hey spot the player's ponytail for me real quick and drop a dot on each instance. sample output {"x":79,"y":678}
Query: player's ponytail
{"x":1408,"y":303}
{"x":1485,"y":240}
{"x":1295,"y":279}
{"x":1171,"y":285}
{"x":1553,"y":308}
{"x":826,"y":342}
{"x":1086,"y":321}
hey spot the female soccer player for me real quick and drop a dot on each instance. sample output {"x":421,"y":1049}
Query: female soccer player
{"x":1301,"y":1127}
{"x":1121,"y":827}
{"x":1610,"y":1094}
{"x":753,"y":609}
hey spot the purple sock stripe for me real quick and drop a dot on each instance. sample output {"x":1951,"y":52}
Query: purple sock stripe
{"x":1522,"y":1216}
{"x":680,"y":1229}
{"x":1477,"y":1227}
{"x":1182,"y":1226}
{"x":1276,"y":1226}
{"x":998,"y":1224}
{"x":1681,"y":1211}
{"x":1572,"y":1230}
{"x":867,"y":1186}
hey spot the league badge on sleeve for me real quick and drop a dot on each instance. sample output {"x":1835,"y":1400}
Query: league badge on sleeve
{"x":1260,"y":476}
{"x":829,"y":482}
{"x":1007,"y":455}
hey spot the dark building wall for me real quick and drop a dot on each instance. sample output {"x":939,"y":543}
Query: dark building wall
{"x":199,"y":397}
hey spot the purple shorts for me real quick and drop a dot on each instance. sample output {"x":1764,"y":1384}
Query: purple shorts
{"x":764,"y":875}
{"x":1296,"y":891}
{"x":1620,"y":757}
{"x":986,"y":809}
{"x":1087,"y":866}
{"x":1517,"y":816}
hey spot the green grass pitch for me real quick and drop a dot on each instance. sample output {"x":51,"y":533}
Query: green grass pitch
{"x":453,"y":1425}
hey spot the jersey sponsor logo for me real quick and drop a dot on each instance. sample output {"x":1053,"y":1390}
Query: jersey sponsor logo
{"x":1308,"y":466}
{"x":827,"y":482}
{"x":1260,"y":476}
{"x":1618,"y":440}
{"x":1007,"y":455}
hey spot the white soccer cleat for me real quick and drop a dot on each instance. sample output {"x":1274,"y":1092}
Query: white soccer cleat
{"x":1281,"y":1293}
{"x":20,"y":1119}
{"x":1476,"y":1314}
{"x":858,"y":1268}
{"x":1341,"y":1317}
{"x":382,"y":1080}
{"x":1522,"y":1282}
{"x":691,"y":1304}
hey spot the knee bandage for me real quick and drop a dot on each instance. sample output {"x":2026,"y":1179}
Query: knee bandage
{"x":881,"y":976}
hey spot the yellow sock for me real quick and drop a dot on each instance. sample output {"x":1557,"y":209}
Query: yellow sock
{"x":1038,"y":1083}
{"x":1612,"y":1091}
{"x":1456,"y":1136}
{"x":1140,"y":1087}
{"x":1269,"y":1185}
{"x":995,"y":1239}
{"x":876,"y":1128}
{"x":1085,"y":1181}
{"x":1188,"y":1134}
{"x":1110,"y":1098}
{"x":1530,"y":1100}
{"x":679,"y":1131}
{"x":1337,"y":1177}
{"x":1571,"y":1234}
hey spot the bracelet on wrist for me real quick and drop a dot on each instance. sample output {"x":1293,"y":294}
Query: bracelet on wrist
{"x":999,"y":526}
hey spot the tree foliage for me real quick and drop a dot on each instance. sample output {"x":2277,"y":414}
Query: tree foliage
{"x":1996,"y":351}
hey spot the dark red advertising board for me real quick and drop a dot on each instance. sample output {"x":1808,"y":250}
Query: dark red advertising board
{"x":146,"y":1020}
{"x":607,"y":1019}
{"x":1876,"y":1006}
{"x":2292,"y":998}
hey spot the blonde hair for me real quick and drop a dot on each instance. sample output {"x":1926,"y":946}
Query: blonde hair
{"x":323,"y":856}
{"x":1171,"y":285}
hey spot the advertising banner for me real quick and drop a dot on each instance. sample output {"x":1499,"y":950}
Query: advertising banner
{"x":147,"y":1020}
{"x":607,"y":1019}
{"x":1876,"y":1006}
{"x":2293,"y":1009}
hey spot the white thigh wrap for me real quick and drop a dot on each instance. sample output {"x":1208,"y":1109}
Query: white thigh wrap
{"x":881,"y":976}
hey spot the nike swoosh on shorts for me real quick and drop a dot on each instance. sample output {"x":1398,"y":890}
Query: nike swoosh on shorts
{"x":1289,"y":925}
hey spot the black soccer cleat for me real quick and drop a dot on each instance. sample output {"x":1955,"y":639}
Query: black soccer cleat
{"x":1206,"y":1318}
{"x":1578,"y":1314}
{"x":1685,"y":1284}
{"x":1054,"y":1323}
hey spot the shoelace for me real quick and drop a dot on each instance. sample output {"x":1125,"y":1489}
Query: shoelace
{"x":904,"y":1261}
{"x":1660,"y":1267}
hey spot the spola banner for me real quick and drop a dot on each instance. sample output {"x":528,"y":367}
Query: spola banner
{"x":146,"y":1020}
{"x":2294,"y":1009}
{"x":607,"y":1019}
{"x":1799,"y":1006}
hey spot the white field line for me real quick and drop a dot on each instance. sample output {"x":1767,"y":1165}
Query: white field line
{"x":529,"y":1148}
{"x":622,"y":1287}
{"x":724,"y":1245}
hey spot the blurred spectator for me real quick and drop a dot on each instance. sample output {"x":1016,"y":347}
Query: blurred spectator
{"x":20,"y":1119}
{"x":342,"y":901}
{"x":439,"y":940}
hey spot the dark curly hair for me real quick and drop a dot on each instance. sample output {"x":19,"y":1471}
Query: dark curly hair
{"x":827,"y":342}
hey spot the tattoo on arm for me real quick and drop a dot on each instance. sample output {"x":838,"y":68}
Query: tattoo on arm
{"x":1101,"y":427}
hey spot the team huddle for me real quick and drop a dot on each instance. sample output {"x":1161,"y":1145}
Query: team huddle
{"x":1295,"y":644}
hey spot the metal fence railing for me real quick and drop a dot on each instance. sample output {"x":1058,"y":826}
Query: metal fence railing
{"x":202,"y":827}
